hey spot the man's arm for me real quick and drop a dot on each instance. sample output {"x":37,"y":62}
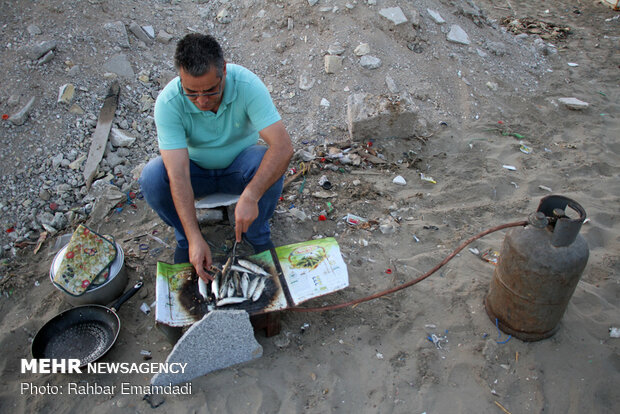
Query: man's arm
{"x":177,"y":166}
{"x":274,"y":164}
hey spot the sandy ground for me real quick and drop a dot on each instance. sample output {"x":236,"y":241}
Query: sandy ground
{"x":376,"y":357}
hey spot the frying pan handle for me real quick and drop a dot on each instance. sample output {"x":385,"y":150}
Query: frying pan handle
{"x":126,"y":296}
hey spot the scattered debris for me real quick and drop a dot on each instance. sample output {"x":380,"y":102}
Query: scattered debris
{"x":546,"y":31}
{"x":574,"y":103}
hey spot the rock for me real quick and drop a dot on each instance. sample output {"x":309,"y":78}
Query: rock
{"x":63,"y":188}
{"x":574,"y":103}
{"x":60,"y":221}
{"x":139,"y":32}
{"x":370,"y":62}
{"x":377,"y":117}
{"x":123,"y":152}
{"x":497,"y":48}
{"x":40,"y":49}
{"x":335,"y":49}
{"x":120,"y":65}
{"x":435,"y":16}
{"x":415,"y":18}
{"x":164,"y":37}
{"x":144,"y":77}
{"x":46,"y":58}
{"x":149,"y":31}
{"x":224,"y":16}
{"x":394,"y":14}
{"x":332,"y":63}
{"x":146,"y":103}
{"x":120,"y":138}
{"x":76,"y":109}
{"x":544,"y":48}
{"x":458,"y":35}
{"x":137,"y":171}
{"x":74,"y":71}
{"x":65,"y":93}
{"x":13,"y":100}
{"x":106,"y":196}
{"x":75,"y":165}
{"x":34,"y":30}
{"x":492,"y":86}
{"x":113,"y":159}
{"x":399,"y":180}
{"x":44,"y":195}
{"x":19,"y":118}
{"x":305,"y":81}
{"x":362,"y":49}
{"x":118,"y":33}
{"x":469,"y":9}
{"x":222,"y":338}
{"x":45,"y":217}
{"x":56,"y":160}
{"x":391,"y":84}
{"x":281,"y":340}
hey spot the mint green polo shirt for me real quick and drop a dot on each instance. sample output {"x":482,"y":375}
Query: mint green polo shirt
{"x":214,"y":140}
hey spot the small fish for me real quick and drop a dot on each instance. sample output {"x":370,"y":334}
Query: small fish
{"x":223,"y":288}
{"x":259,"y":290}
{"x":231,"y":288}
{"x":237,"y":284}
{"x":254,"y":268}
{"x":202,"y":288}
{"x":252,"y":286}
{"x":215,"y":285}
{"x":229,"y":301}
{"x":245,"y":284}
{"x":238,"y":268}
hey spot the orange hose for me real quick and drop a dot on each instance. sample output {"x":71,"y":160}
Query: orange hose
{"x":414,"y":281}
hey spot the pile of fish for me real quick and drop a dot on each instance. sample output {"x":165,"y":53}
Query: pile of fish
{"x":236,"y":283}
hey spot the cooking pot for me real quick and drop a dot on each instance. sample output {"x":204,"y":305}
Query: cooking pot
{"x":102,"y":294}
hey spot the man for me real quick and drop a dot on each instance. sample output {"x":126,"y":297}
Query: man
{"x":208,"y":122}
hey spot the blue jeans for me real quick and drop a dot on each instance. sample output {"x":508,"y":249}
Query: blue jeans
{"x":155,"y":187}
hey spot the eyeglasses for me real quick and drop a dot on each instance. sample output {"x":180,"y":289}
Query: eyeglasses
{"x":197,"y":95}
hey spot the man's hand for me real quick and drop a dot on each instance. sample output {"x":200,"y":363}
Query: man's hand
{"x":177,"y":167}
{"x":200,"y":258}
{"x":245,"y":214}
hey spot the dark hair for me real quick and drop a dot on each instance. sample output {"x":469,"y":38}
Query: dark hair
{"x":198,"y":53}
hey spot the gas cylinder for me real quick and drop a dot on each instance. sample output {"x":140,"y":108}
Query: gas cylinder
{"x":538,"y":270}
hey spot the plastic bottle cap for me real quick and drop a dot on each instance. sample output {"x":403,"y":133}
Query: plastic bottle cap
{"x":322,"y":217}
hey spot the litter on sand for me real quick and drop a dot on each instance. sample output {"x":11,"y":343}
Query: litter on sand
{"x":427,"y":178}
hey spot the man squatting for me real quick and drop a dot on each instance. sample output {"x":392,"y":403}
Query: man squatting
{"x":208,"y":122}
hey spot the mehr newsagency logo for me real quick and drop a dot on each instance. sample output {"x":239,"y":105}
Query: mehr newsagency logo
{"x":72,"y":366}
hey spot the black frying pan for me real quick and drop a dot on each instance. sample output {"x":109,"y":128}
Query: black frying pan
{"x":84,"y":332}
